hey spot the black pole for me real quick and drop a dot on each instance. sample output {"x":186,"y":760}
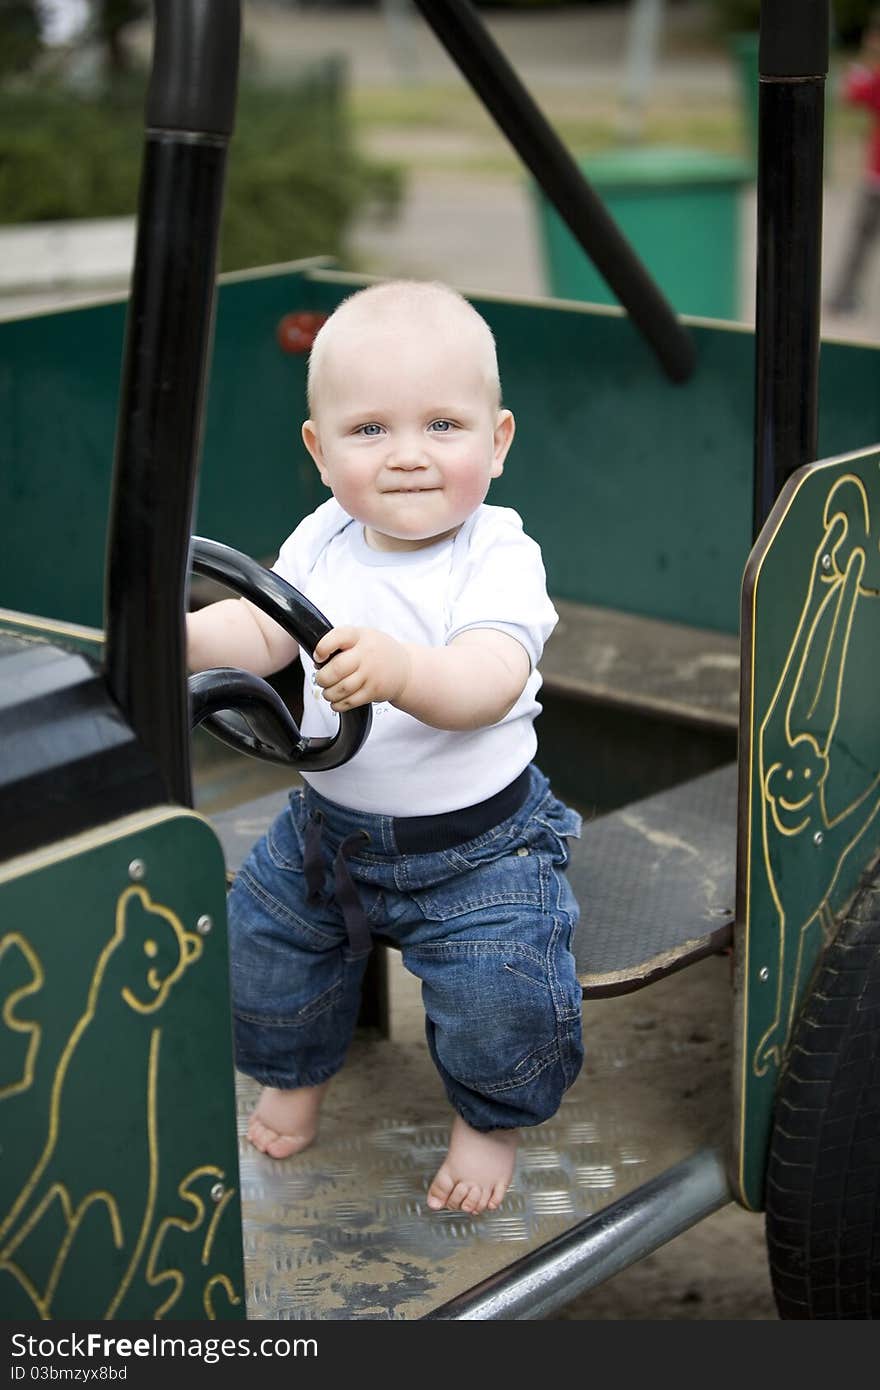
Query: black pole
{"x":481,"y":62}
{"x":793,"y":65}
{"x":189,"y":117}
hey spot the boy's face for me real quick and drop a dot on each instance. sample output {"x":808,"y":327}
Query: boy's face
{"x":406,"y":433}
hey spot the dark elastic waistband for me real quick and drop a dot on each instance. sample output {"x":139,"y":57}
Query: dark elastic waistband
{"x":425,"y":834}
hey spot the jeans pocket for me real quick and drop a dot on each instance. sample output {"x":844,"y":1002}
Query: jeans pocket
{"x":551,"y":828}
{"x":289,"y":911}
{"x":296,"y":1013}
{"x":514,"y":881}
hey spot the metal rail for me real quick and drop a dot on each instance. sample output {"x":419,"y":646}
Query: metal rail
{"x":471,"y":46}
{"x":599,"y":1247}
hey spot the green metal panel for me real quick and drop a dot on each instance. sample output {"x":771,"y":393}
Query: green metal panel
{"x":119,"y":1191}
{"x":59,"y":389}
{"x":679,"y":210}
{"x":638,"y":491}
{"x":255,"y":469}
{"x":59,"y":384}
{"x":809,"y":761}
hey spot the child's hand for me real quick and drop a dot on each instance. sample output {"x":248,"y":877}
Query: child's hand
{"x":368,"y":666}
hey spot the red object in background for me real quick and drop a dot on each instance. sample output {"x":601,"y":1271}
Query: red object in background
{"x":296,"y":332}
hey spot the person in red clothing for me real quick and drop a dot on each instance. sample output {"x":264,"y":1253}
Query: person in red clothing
{"x":861,"y":87}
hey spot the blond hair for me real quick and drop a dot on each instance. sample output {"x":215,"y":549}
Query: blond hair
{"x":408,"y":300}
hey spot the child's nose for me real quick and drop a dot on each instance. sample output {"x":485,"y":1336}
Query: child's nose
{"x":408,"y":453}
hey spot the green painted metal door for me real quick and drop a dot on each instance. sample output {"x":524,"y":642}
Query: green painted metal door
{"x":119,"y":1192}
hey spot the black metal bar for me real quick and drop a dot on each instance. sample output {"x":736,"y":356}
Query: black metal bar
{"x":268,"y":721}
{"x":793,"y":65}
{"x":472,"y":48}
{"x":194,"y":77}
{"x":168,"y":338}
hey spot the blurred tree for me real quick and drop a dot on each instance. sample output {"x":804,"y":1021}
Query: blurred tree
{"x":19,"y":35}
{"x":111,"y":19}
{"x":849,"y":17}
{"x":296,"y":179}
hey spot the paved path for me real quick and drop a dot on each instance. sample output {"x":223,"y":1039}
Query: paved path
{"x":481,"y":234}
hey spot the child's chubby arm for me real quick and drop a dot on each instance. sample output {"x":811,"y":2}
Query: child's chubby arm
{"x":469,"y":684}
{"x":235,"y":632}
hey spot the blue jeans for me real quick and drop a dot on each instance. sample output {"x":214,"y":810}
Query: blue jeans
{"x":485,"y":925}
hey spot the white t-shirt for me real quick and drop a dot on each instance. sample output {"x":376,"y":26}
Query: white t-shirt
{"x":488,"y":575}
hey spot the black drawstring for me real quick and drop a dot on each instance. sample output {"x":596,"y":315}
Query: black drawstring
{"x":344,"y":889}
{"x":313,"y":863}
{"x":346,"y":895}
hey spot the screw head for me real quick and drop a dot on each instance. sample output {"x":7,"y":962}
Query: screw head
{"x":763,"y":974}
{"x":137,"y":870}
{"x":826,"y":563}
{"x":218,"y":1192}
{"x":818,"y":837}
{"x":204,"y":924}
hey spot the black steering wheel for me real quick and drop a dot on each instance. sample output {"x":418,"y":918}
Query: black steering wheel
{"x":242,"y":709}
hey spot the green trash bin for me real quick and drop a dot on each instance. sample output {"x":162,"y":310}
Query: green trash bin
{"x":680,"y":211}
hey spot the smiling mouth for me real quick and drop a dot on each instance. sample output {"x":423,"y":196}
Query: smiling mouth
{"x":795,"y":805}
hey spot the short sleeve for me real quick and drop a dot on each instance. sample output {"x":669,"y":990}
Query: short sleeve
{"x":299,"y":553}
{"x":500,"y":582}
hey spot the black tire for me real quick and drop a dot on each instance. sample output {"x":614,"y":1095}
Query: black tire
{"x":823,"y":1173}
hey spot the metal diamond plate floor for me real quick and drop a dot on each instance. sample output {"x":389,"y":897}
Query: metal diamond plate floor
{"x":342,"y":1231}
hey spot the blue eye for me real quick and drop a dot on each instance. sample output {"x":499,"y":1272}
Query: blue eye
{"x":441,"y":426}
{"x":370,"y":430}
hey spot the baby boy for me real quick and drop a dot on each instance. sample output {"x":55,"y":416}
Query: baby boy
{"x":440,"y":833}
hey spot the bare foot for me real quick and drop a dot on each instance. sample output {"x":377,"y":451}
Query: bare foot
{"x":477,"y":1170}
{"x":285,"y":1122}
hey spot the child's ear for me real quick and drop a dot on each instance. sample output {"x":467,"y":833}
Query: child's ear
{"x":312,"y":441}
{"x":505,"y":428}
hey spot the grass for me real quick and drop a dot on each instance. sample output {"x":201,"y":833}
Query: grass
{"x":399,"y":123}
{"x":441,"y":127}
